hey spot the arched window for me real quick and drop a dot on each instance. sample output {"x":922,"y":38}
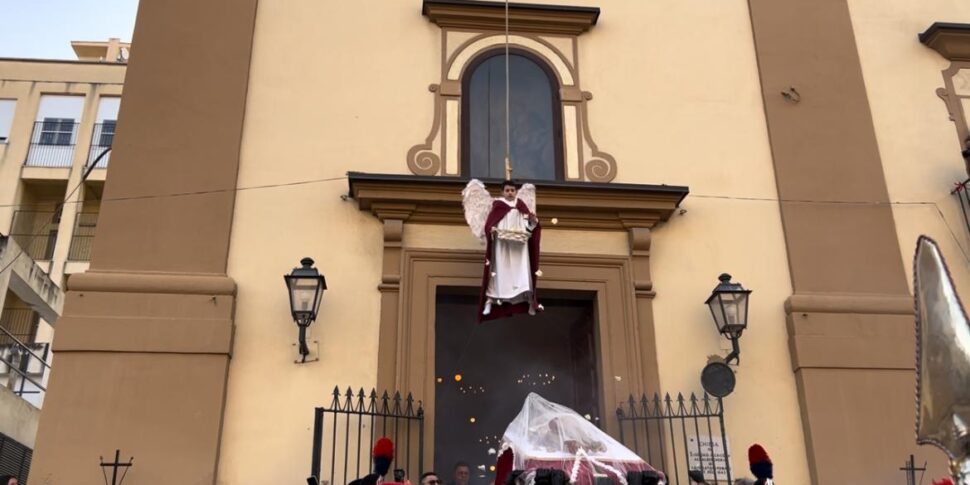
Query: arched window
{"x":535,"y":118}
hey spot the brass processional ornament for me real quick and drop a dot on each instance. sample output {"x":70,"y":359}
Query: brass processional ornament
{"x":942,"y":361}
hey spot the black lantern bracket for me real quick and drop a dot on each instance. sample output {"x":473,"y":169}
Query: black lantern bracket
{"x":305,"y":345}
{"x":735,"y":354}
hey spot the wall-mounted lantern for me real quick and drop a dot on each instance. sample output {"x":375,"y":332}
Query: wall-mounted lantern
{"x":729,"y":307}
{"x":305,"y":286}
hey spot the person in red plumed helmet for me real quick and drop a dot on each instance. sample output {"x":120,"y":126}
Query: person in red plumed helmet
{"x":760,"y":465}
{"x":383,"y":456}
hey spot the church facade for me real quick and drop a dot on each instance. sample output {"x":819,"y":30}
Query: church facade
{"x":800,"y":146}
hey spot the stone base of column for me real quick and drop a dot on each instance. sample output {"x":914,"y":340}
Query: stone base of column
{"x":141,"y":365}
{"x":854,"y":363}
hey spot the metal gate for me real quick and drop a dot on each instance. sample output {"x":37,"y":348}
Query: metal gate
{"x":678,"y":435}
{"x":344,"y":434}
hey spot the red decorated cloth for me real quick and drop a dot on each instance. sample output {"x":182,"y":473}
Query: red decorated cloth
{"x":499,"y":211}
{"x":547,"y":435}
{"x":503,"y":467}
{"x":584,"y":475}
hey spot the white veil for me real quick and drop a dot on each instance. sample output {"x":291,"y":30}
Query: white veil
{"x":546,"y":432}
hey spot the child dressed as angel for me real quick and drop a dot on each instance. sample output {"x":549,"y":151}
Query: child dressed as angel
{"x":511,"y":232}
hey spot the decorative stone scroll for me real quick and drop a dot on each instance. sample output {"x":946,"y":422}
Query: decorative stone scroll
{"x":550,"y":33}
{"x":956,"y":95}
{"x":952,"y":41}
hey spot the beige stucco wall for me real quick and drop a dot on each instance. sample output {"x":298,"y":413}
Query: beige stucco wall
{"x":18,"y":418}
{"x":673,"y":106}
{"x":918,"y":144}
{"x":325,"y":97}
{"x":700,"y":123}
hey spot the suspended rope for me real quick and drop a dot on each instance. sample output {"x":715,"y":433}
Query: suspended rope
{"x":508,"y":142}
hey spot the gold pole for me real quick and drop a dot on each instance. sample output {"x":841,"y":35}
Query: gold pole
{"x":508,"y":169}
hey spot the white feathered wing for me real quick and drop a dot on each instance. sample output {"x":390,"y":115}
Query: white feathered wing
{"x":477,"y":203}
{"x":528,"y":195}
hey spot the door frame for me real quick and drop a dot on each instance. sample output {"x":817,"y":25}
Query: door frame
{"x":627,"y":355}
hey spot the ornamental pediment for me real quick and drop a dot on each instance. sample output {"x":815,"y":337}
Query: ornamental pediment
{"x":549,"y":135}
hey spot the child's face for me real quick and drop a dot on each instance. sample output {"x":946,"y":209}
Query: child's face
{"x":509,"y":192}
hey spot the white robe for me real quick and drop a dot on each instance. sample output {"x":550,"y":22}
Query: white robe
{"x":511,"y":280}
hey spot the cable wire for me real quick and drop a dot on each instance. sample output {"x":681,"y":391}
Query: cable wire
{"x":508,"y":131}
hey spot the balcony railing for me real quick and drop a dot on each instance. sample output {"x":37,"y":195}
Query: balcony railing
{"x":52,"y":143}
{"x":23,"y":366}
{"x":21,"y":323}
{"x":83,"y":238}
{"x":101,"y":139}
{"x":36,"y":233}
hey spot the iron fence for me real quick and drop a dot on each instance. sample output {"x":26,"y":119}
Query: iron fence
{"x":52,"y":143}
{"x":83,"y":237}
{"x":36,"y":232}
{"x":101,"y":139}
{"x":345,"y":432}
{"x":23,"y":366}
{"x":21,"y":323}
{"x":678,"y":435}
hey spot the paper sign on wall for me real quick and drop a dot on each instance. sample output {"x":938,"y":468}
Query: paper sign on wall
{"x":710,"y":455}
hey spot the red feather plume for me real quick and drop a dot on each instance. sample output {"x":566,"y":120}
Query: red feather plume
{"x":757,"y":454}
{"x":384,"y":448}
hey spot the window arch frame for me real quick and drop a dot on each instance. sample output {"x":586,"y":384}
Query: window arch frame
{"x":555,"y":85}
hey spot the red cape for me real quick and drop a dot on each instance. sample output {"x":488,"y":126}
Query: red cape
{"x":499,"y":210}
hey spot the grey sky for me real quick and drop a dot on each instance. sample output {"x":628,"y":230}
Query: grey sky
{"x":45,"y":28}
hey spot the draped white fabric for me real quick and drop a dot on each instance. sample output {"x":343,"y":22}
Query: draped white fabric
{"x":548,"y":431}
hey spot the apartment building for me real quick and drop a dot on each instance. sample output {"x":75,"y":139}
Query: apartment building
{"x":57,"y":121}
